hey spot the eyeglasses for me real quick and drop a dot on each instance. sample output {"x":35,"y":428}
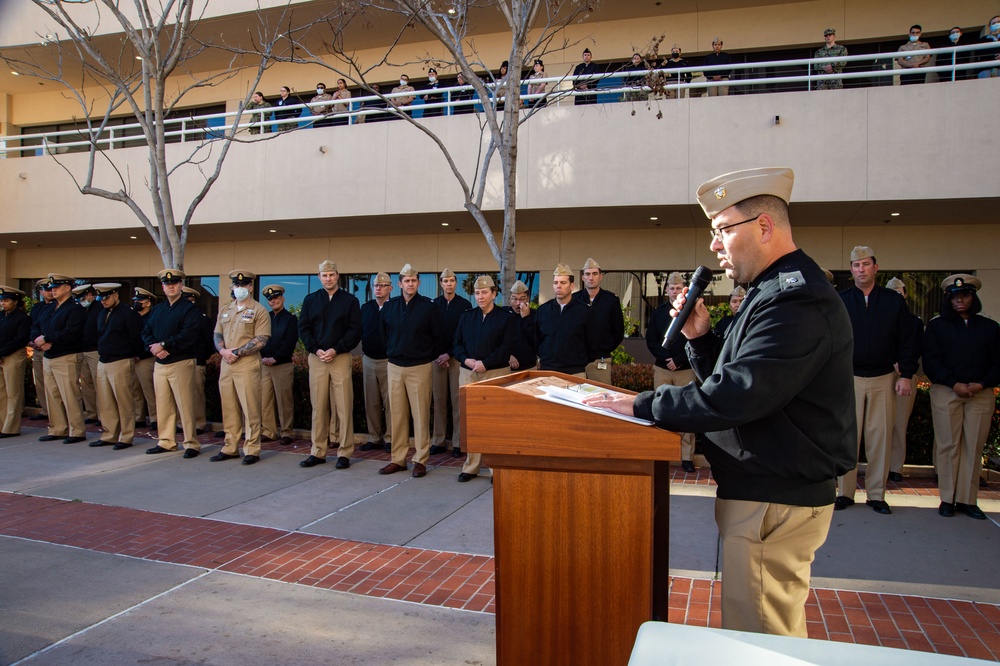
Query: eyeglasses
{"x":717,"y":231}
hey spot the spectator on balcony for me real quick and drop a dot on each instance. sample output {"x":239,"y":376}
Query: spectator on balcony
{"x":500,"y":86}
{"x":462,"y":96}
{"x":637,"y":81}
{"x":585,"y":68}
{"x":321,"y":109}
{"x":341,"y":108}
{"x":952,"y":59}
{"x":992,"y":36}
{"x":433,"y":83}
{"x":538,"y":72}
{"x":406,"y":100}
{"x":831,"y":50}
{"x":676,"y":61}
{"x":374,"y":105}
{"x":913,"y":61}
{"x":257,"y":119}
{"x":281,"y":111}
{"x":962,"y":360}
{"x":904,"y":403}
{"x":718,"y":57}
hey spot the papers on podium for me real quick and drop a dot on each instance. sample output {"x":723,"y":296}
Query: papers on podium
{"x":572,"y":395}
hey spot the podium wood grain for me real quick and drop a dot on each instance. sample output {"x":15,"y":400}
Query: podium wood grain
{"x":580,"y":523}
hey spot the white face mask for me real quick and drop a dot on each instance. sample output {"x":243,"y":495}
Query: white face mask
{"x":432,"y":79}
{"x":914,"y":38}
{"x":995,"y":27}
{"x":85,"y":304}
{"x":320,"y":91}
{"x":955,"y":36}
{"x":241,"y":293}
{"x":403,"y":82}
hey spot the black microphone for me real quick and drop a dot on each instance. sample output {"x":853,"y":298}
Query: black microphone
{"x":701,"y":279}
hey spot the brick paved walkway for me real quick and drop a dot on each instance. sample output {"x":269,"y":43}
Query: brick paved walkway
{"x":462,"y":581}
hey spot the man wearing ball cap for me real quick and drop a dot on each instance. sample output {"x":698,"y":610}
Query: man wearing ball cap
{"x":962,"y":360}
{"x":776,"y":402}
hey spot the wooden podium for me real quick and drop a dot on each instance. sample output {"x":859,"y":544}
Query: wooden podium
{"x":580,"y":510}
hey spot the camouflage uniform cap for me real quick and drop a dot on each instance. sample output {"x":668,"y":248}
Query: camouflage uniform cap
{"x":829,"y":31}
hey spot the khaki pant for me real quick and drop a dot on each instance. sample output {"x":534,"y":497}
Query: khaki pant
{"x":875,"y":407}
{"x":12,"y":391}
{"x":174,"y":387}
{"x":38,"y":374}
{"x":331,"y":391}
{"x":276,"y":383}
{"x":88,"y":383}
{"x":595,"y":374}
{"x":410,"y":395}
{"x":961,"y":426}
{"x":663,"y":376}
{"x":239,"y":388}
{"x":62,"y":394}
{"x":767,"y":555}
{"x":200,"y":415}
{"x":446,"y":387}
{"x":717,"y":91}
{"x":144,"y":394}
{"x":115,"y":400}
{"x":473,"y":461}
{"x":376,"y":380}
{"x":904,"y":407}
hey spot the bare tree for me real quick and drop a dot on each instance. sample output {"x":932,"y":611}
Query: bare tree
{"x":148,"y":72}
{"x":537,"y":27}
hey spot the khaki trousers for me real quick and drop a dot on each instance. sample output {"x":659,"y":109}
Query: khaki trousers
{"x":904,"y":407}
{"x":144,"y":394}
{"x":115,"y":400}
{"x":276,"y":383}
{"x":12,"y":391}
{"x":62,"y":394}
{"x":173,"y":384}
{"x":410,"y":395}
{"x":239,"y":388}
{"x":473,"y":461}
{"x":38,"y":374}
{"x":331,"y":391}
{"x":961,"y":426}
{"x":767,"y":554}
{"x":445,"y":388}
{"x":716,"y":91}
{"x":375,"y":374}
{"x":595,"y":374}
{"x":200,"y":415}
{"x":88,"y":383}
{"x":875,"y":407}
{"x":663,"y":376}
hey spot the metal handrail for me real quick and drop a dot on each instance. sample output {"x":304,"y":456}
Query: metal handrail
{"x":116,"y":134}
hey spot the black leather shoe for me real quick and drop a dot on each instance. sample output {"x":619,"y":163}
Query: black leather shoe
{"x":74,"y":440}
{"x":464,"y":477}
{"x":121,"y":445}
{"x":191,"y":453}
{"x":388,"y":447}
{"x":100,"y":442}
{"x":286,"y":440}
{"x":879,"y":506}
{"x":140,"y":424}
{"x":250,"y":460}
{"x":947,"y":509}
{"x":5,"y":435}
{"x":687,"y":466}
{"x":456,"y":453}
{"x":152,"y":426}
{"x":371,"y":446}
{"x":220,"y":433}
{"x":437,"y":449}
{"x":895,"y":477}
{"x":39,"y":417}
{"x":220,"y":456}
{"x":158,"y":449}
{"x":343,"y":462}
{"x":842,"y":502}
{"x":971,"y":510}
{"x":265,"y":438}
{"x":91,"y":421}
{"x":50,"y":438}
{"x":312,"y":461}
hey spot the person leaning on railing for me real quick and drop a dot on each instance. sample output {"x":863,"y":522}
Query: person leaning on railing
{"x":992,"y":36}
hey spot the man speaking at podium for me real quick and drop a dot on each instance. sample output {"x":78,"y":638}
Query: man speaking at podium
{"x":776,"y":402}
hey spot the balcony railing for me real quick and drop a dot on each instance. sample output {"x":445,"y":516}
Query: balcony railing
{"x":609,"y":87}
